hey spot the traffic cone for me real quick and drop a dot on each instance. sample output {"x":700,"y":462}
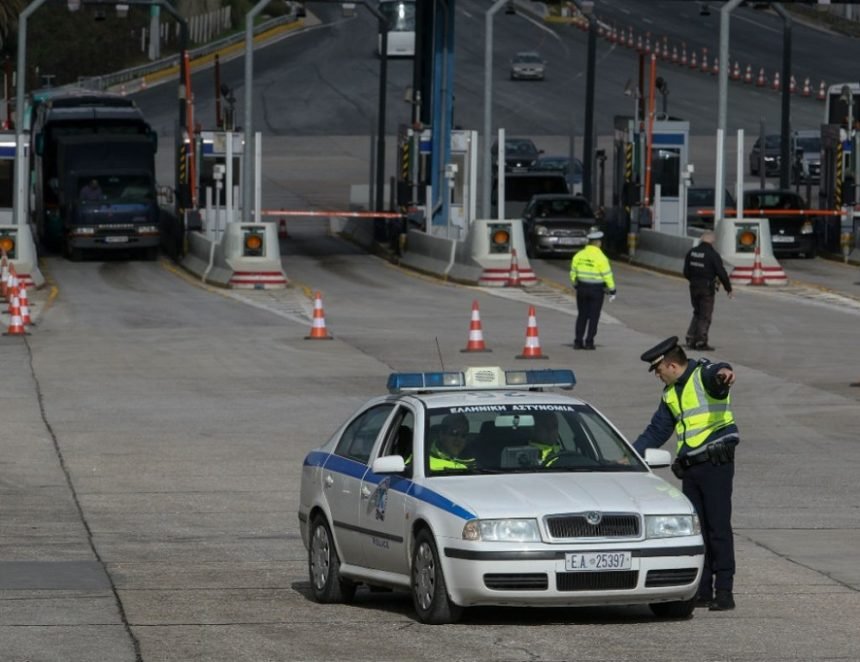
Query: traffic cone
{"x":704,"y":66}
{"x":822,"y":92}
{"x":665,"y":49}
{"x":318,"y":330}
{"x":807,"y":88}
{"x":757,"y":272}
{"x":639,"y":45}
{"x":716,"y":68}
{"x":514,"y":275}
{"x":648,"y":43}
{"x":476,"y":333}
{"x":761,"y":81}
{"x":675,"y":59}
{"x":282,"y":228}
{"x":531,"y":350}
{"x":12,"y":288}
{"x":693,"y":63}
{"x":775,"y":85}
{"x":736,"y":71}
{"x":24,"y":304}
{"x":143,"y":83}
{"x":16,"y":325}
{"x":792,"y":88}
{"x":4,"y":276}
{"x":630,"y":37}
{"x":748,"y":78}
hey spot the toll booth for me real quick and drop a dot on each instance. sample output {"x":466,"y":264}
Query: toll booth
{"x":223,"y":149}
{"x":460,"y":175}
{"x":16,"y":236}
{"x":837,"y":190}
{"x":670,"y":144}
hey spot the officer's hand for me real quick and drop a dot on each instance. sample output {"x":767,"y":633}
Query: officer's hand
{"x":731,"y":295}
{"x":611,"y":298}
{"x":726,"y":376}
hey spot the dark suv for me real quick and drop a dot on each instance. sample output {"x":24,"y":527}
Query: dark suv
{"x":790,"y":234}
{"x":520,"y":187}
{"x":557,"y":224}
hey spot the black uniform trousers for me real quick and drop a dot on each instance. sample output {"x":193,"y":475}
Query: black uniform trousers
{"x":589,"y":302}
{"x":702,"y":297}
{"x":709,"y":487}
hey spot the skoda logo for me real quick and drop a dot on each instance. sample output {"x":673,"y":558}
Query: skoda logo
{"x":593,"y":517}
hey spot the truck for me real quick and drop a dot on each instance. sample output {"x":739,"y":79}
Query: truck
{"x":93,"y":180}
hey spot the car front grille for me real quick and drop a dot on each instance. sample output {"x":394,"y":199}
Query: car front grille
{"x":576,"y":526}
{"x":671,"y":577}
{"x":532,"y":581}
{"x":596,"y":581}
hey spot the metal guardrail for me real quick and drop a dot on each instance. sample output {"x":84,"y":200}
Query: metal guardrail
{"x":134,"y":73}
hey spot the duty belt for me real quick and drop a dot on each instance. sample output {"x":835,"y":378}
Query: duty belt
{"x":717,"y":452}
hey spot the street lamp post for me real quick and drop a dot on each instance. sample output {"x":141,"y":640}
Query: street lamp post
{"x":488,"y":105}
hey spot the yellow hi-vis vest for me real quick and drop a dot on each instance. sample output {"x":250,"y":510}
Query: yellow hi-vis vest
{"x":440,"y":460}
{"x":591,"y":266}
{"x":697,"y":414}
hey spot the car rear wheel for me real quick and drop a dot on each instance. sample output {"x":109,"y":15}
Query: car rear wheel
{"x":673,"y":609}
{"x":429,"y":590}
{"x":324,"y":566}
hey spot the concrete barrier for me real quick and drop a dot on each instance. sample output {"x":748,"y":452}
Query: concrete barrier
{"x":26,"y":263}
{"x":495,"y":263}
{"x":736,"y":241}
{"x":197,"y":260}
{"x":661,"y":251}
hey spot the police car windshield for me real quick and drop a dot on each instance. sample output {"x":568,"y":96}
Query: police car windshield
{"x":523,"y":438}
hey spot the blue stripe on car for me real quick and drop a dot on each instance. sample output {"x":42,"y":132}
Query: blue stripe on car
{"x":357,"y":470}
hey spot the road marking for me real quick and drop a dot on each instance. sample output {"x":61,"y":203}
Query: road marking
{"x":545,"y":295}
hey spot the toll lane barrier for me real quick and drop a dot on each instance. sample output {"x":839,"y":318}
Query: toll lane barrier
{"x":248,"y":257}
{"x":661,"y":251}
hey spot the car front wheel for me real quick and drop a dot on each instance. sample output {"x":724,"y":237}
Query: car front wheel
{"x":673,"y":609}
{"x":429,"y":590}
{"x":324,"y":566}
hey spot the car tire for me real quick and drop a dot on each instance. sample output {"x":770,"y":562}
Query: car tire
{"x":673,"y":609}
{"x":429,"y":590}
{"x":327,"y":586}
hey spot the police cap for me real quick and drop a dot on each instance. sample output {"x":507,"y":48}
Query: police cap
{"x":657,"y":353}
{"x":594,"y":234}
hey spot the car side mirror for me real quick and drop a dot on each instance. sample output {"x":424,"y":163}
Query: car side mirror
{"x":657,"y":458}
{"x":390,"y":464}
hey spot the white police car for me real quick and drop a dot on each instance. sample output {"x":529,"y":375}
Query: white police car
{"x":540,"y":503}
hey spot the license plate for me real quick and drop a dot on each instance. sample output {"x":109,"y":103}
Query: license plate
{"x":782,"y":239}
{"x":571,"y":241}
{"x":116,"y":240}
{"x":596,"y":561}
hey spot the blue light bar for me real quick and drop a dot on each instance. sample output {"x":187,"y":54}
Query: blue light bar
{"x":487,"y":378}
{"x":424,"y":381}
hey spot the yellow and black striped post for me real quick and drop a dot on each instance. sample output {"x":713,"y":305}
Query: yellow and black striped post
{"x":405,"y":160}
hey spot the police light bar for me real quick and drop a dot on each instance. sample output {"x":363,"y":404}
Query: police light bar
{"x":476,"y":379}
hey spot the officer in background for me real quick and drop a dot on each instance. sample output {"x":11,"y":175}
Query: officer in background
{"x":446,"y":452}
{"x":697,"y":407}
{"x":702,"y":267}
{"x":544,"y":434}
{"x":592,"y":278}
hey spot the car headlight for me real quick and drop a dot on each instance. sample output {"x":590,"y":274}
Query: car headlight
{"x":770,"y":159}
{"x":806,"y":228}
{"x":502,"y":530}
{"x":670,"y":526}
{"x":541,"y":230}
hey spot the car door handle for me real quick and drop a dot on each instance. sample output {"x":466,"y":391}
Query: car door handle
{"x":329,"y":481}
{"x":365,"y":492}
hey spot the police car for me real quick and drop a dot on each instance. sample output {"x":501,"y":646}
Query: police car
{"x":541,"y":502}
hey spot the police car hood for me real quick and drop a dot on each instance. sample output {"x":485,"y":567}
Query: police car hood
{"x":535,"y":495}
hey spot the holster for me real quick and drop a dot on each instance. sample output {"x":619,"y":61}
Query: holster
{"x":720,"y":452}
{"x":678,"y":469}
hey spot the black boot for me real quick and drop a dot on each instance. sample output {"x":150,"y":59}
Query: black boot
{"x":724,"y":601}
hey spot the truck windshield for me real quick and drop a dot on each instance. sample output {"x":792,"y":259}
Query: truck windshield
{"x":116,"y":189}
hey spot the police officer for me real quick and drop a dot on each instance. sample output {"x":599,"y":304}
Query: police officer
{"x":702,"y":267}
{"x":446,"y":452}
{"x":592,"y":278}
{"x":544,"y":435}
{"x":696,"y":405}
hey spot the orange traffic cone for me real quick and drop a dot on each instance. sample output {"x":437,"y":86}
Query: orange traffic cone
{"x":807,"y":88}
{"x":716,"y":68}
{"x":761,"y":81}
{"x":757,"y":272}
{"x":748,"y":77}
{"x":531,"y":350}
{"x":282,"y":228}
{"x":514,"y":275}
{"x":24,"y":303}
{"x":16,"y":325}
{"x":476,"y":333}
{"x":704,"y":66}
{"x":318,"y":330}
{"x":12,"y":288}
{"x":693,"y":63}
{"x":736,"y":71}
{"x":822,"y":94}
{"x":776,"y":84}
{"x":4,"y":276}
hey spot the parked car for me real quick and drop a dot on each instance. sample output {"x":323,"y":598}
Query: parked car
{"x":704,"y":197}
{"x":790,"y":235}
{"x":557,"y":224}
{"x":520,"y":187}
{"x":770,"y":157}
{"x":562,"y":164}
{"x":527,"y":65}
{"x":807,"y":144}
{"x":520,"y":154}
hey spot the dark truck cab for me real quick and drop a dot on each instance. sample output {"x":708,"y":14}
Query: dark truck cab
{"x":107,"y":194}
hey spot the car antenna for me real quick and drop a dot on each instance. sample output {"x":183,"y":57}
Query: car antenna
{"x":439,"y":350}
